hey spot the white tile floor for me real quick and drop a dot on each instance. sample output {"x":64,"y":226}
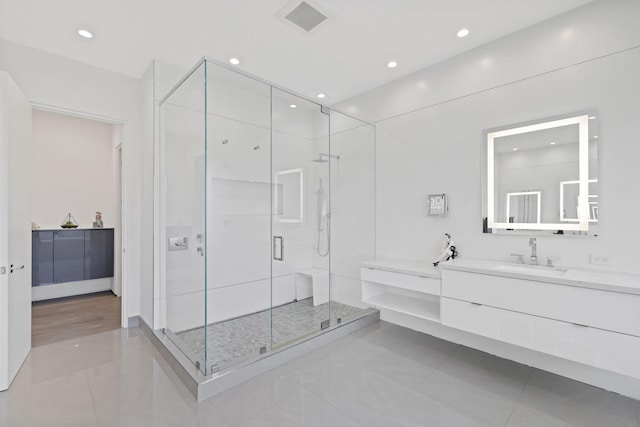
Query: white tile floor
{"x":383,"y":375}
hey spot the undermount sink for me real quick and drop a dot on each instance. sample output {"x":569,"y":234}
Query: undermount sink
{"x":532,"y":269}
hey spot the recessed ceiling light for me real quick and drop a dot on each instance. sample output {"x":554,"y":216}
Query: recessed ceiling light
{"x":592,"y":117}
{"x":321,"y":95}
{"x":234,"y":61}
{"x":552,"y":143}
{"x":463,"y":33}
{"x":392,"y":64}
{"x":595,"y":136}
{"x":515,"y":149}
{"x":85,"y":33}
{"x":293,"y":106}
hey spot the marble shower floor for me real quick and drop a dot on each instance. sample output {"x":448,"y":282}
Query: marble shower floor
{"x":234,"y":340}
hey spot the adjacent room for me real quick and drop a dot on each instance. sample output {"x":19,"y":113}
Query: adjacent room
{"x":75,"y":205}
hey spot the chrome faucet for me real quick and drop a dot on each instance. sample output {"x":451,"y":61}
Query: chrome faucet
{"x":533,"y":260}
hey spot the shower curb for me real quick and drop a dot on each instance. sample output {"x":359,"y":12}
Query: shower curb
{"x":203,"y":387}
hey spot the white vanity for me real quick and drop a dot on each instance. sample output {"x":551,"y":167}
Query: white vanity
{"x":405,"y":287}
{"x":584,"y":324}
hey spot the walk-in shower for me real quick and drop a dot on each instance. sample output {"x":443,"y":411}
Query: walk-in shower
{"x":250,"y":262}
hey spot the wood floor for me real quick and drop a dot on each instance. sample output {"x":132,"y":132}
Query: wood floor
{"x":73,"y":317}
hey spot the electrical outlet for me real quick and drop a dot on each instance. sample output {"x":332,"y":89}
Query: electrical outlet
{"x":600,"y":259}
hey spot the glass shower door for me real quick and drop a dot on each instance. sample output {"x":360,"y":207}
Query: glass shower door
{"x":300,"y":258}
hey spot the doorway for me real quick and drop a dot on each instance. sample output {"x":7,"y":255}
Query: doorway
{"x":76,"y":211}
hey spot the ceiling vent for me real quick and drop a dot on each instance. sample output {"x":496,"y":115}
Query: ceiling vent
{"x":303,"y":16}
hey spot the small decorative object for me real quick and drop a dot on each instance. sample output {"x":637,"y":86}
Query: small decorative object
{"x":34,"y":226}
{"x":69,"y":222}
{"x":448,"y":251}
{"x":98,"y":222}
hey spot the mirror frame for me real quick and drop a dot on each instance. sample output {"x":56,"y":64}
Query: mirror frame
{"x":582,"y":121}
{"x":300,"y":217}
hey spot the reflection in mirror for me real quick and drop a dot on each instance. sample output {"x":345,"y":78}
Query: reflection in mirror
{"x":569,"y":210}
{"x":289,"y":195}
{"x":523,"y":207}
{"x":542,"y":176}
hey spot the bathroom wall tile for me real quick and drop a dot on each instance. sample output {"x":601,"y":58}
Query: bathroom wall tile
{"x":577,"y":403}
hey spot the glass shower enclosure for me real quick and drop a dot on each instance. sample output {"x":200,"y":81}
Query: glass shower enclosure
{"x":267,"y":207}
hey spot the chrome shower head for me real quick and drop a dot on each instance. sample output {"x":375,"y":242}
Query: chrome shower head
{"x":324,"y":158}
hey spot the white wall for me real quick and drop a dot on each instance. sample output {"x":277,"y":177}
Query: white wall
{"x":50,"y":80}
{"x":73,"y":163}
{"x":429,"y":134}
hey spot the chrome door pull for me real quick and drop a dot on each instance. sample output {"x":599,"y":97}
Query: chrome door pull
{"x":278,"y":248}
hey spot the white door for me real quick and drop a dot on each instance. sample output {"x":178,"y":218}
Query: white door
{"x":15,"y":229}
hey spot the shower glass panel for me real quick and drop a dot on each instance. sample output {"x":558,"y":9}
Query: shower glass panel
{"x":267,"y":209}
{"x":300,"y":286}
{"x":238,"y":221}
{"x":182,"y":155}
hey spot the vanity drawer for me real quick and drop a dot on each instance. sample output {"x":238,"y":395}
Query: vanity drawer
{"x":608,"y":310}
{"x":411,"y":282}
{"x":603,"y":349}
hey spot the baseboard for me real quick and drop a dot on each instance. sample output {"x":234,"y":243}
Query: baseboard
{"x":69,"y":289}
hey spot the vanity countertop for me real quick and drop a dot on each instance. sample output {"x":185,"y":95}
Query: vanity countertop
{"x":584,"y":278}
{"x":415,"y":268}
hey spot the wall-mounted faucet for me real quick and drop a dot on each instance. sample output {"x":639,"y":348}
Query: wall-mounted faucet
{"x":533,"y":260}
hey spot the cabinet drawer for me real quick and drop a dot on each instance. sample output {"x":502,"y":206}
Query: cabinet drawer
{"x":426,"y":285}
{"x":603,"y":349}
{"x":608,"y":310}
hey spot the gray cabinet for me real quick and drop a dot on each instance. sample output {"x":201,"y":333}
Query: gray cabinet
{"x":98,"y":254}
{"x":60,"y":256}
{"x":68,"y":256}
{"x":42,"y":258}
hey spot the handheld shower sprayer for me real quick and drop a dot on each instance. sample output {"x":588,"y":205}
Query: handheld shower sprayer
{"x":322,"y":214}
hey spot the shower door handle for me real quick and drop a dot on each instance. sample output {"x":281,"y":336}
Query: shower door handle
{"x":278,"y":248}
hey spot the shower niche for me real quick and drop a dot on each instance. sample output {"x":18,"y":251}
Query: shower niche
{"x":243,"y":166}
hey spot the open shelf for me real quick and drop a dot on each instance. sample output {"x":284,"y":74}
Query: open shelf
{"x":426,"y":307}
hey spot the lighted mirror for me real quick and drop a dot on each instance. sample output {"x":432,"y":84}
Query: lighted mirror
{"x":541,"y":176}
{"x":289,"y":195}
